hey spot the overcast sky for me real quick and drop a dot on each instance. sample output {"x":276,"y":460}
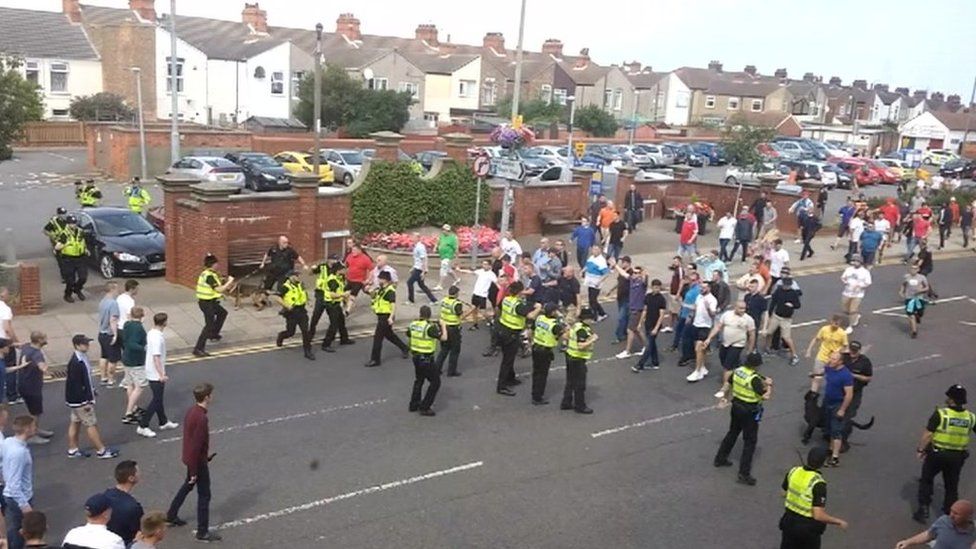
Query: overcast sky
{"x":914,"y":43}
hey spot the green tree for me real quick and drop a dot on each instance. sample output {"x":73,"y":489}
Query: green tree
{"x":347,"y":104}
{"x":100,"y":107}
{"x":596,"y":121}
{"x":20,"y":102}
{"x":379,"y":110}
{"x":533,"y":111}
{"x":739,"y":139}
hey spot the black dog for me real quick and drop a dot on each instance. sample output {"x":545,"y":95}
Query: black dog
{"x":813,"y":415}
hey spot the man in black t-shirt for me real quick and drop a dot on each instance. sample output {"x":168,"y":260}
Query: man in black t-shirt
{"x":862,"y":369}
{"x":281,"y":258}
{"x":618,"y":233}
{"x":655,"y":310}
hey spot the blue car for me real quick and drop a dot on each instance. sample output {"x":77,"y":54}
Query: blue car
{"x":712,"y":153}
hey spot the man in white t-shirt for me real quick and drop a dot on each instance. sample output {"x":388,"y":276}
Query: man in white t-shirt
{"x":126,"y":301}
{"x":511,"y":247}
{"x":855,"y":229}
{"x":484,"y":277}
{"x":738,"y":337}
{"x":8,"y":382}
{"x":778,"y":259}
{"x":156,"y":375}
{"x":856,"y":280}
{"x":706,"y":307}
{"x":95,"y":533}
{"x":726,"y":232}
{"x":883,"y":226}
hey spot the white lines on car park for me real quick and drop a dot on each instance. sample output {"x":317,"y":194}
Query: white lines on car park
{"x":349,"y":495}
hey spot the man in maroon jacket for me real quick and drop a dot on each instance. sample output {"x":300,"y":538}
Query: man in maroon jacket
{"x":196,"y":457}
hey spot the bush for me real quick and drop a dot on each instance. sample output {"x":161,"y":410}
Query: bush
{"x":394,"y":198}
{"x":102,"y":106}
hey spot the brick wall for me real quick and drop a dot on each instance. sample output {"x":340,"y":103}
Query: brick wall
{"x":532,"y":199}
{"x":27,"y":300}
{"x":115,"y":150}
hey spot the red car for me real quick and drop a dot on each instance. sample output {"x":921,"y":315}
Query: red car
{"x":862,"y":173}
{"x":887,"y":175}
{"x":766,"y":151}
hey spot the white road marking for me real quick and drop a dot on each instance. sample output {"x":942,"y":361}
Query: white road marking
{"x":809,"y":323}
{"x":301,"y":415}
{"x":62,"y":157}
{"x":349,"y":495}
{"x":652,"y":421}
{"x":909,"y":361}
{"x":967,"y":323}
{"x":901,"y":308}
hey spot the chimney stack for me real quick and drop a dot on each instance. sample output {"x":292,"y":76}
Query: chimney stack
{"x":72,"y":10}
{"x":633,"y":67}
{"x":347,"y":25}
{"x":427,"y":33}
{"x":553,"y":47}
{"x":881,"y":87}
{"x":145,"y":9}
{"x":750,"y":70}
{"x":809,"y":77}
{"x":494,"y":41}
{"x":780,"y":73}
{"x":920,"y":94}
{"x":584,"y":58}
{"x":715,"y":66}
{"x":836,"y":81}
{"x":256,"y":17}
{"x":860,"y":84}
{"x":938,"y":97}
{"x":954,"y":100}
{"x":901,"y":91}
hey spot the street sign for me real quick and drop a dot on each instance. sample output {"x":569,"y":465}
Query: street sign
{"x":482,"y":165}
{"x":579,"y":149}
{"x":596,"y":187}
{"x":507,"y":169}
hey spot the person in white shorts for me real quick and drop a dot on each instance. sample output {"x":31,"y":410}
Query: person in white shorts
{"x":856,"y":280}
{"x":484,"y":277}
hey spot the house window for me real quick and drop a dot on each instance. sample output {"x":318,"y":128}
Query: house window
{"x":59,"y":77}
{"x":607,"y":98}
{"x":59,"y":113}
{"x":546,"y":93}
{"x":33,"y":72}
{"x":411,"y":87}
{"x":179,"y":75}
{"x":815,"y":109}
{"x":488,"y":91}
{"x":296,"y":82}
{"x":379,"y":84}
{"x":430,"y":116}
{"x":757,"y":105}
{"x":277,"y":83}
{"x":466,"y":88}
{"x":681,"y":99}
{"x":559,"y":96}
{"x":618,"y":99}
{"x":733,"y":104}
{"x":709,"y":101}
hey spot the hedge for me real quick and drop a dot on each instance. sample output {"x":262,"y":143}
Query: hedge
{"x":394,"y":198}
{"x":934,"y":200}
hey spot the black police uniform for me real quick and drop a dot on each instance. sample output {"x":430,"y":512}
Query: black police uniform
{"x":574,"y":393}
{"x":509,"y":340}
{"x":858,"y":366}
{"x":425,"y":370}
{"x":74,"y":268}
{"x":947,"y":462}
{"x":451,"y":349}
{"x":743,"y":418}
{"x":384,"y":330}
{"x":800,"y":532}
{"x":281,"y":262}
{"x":542,"y":357}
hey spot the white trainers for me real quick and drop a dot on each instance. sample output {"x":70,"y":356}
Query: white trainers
{"x":720,"y":394}
{"x":849,"y":330}
{"x":667,"y":330}
{"x":624,"y":354}
{"x":693,"y":377}
{"x":145,"y":431}
{"x":704,"y":372}
{"x":169,"y":425}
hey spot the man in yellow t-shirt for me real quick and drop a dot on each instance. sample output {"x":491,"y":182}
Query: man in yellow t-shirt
{"x":832,"y":339}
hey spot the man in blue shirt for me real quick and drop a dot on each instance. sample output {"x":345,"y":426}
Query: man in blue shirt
{"x":838,"y":394}
{"x":870,"y":242}
{"x":846,"y":212}
{"x":18,"y":478}
{"x":585,"y":238}
{"x":126,"y":511}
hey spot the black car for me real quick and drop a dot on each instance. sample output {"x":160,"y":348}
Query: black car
{"x":959,"y":167}
{"x":685,"y":154}
{"x":843,"y":178}
{"x":427,"y":158}
{"x":261,"y":171}
{"x":121,"y":242}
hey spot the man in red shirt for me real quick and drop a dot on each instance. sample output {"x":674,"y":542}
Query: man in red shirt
{"x":196,"y":457}
{"x":358,"y":268}
{"x":921,"y":226}
{"x":892,"y":213}
{"x":687,"y":247}
{"x":954,"y":208}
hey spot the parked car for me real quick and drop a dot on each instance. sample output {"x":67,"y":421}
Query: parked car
{"x":861,"y":173}
{"x":559,"y":172}
{"x":121,"y":242}
{"x":658,"y":155}
{"x":587,"y":158}
{"x":836,"y":144}
{"x":790,"y":150}
{"x":808,"y":148}
{"x":835,"y":150}
{"x":636,"y":155}
{"x":261,"y":171}
{"x":712,"y":153}
{"x":888,"y":176}
{"x":605,"y":153}
{"x":534,"y":163}
{"x":550,"y":153}
{"x":209,"y":168}
{"x":685,"y":154}
{"x":938,"y":157}
{"x":680,"y":155}
{"x":749,"y":176}
{"x":345,"y":163}
{"x":427,"y":158}
{"x":960,"y":167}
{"x":843,"y":178}
{"x":816,"y":169}
{"x":904,"y":170}
{"x":296,"y":162}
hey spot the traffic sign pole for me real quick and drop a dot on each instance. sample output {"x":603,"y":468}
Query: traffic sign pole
{"x":477,"y":225}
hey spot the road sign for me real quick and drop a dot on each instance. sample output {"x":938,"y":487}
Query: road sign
{"x":579,"y":149}
{"x":482,"y":165}
{"x":507,"y":169}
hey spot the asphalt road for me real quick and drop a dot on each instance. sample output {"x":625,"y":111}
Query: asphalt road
{"x":492,"y":471}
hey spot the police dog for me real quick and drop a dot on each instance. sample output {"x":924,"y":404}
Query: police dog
{"x":813,"y":415}
{"x":252,"y":289}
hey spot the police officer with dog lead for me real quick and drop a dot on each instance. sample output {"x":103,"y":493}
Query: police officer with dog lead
{"x":749,"y":390}
{"x":942,"y":449}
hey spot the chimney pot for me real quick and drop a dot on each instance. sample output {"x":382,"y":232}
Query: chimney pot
{"x":901,"y":91}
{"x":146,"y":9}
{"x":920,"y":94}
{"x":780,"y":73}
{"x":715,"y":66}
{"x":584,"y":58}
{"x":633,"y":66}
{"x":495,"y":41}
{"x":836,"y":81}
{"x":954,"y":99}
{"x":553,"y":47}
{"x":427,"y":33}
{"x":256,"y":17}
{"x":809,"y":77}
{"x":750,"y":69}
{"x":860,"y":84}
{"x":72,"y":10}
{"x":348,"y":26}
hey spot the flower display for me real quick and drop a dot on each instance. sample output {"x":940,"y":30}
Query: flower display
{"x":485,"y":238}
{"x":512,"y":138}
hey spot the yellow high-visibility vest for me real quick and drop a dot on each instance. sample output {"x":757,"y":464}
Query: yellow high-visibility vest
{"x":295,"y":294}
{"x":380,"y":305}
{"x":954,"y":429}
{"x":543,"y":335}
{"x":742,"y":385}
{"x":75,"y":245}
{"x":799,"y":490}
{"x":451,"y":318}
{"x":574,"y":350}
{"x":509,"y":317}
{"x":204,"y":291}
{"x":420,"y":342}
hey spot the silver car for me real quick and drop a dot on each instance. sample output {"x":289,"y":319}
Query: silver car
{"x":209,"y":168}
{"x":346,"y":163}
{"x":659,"y":154}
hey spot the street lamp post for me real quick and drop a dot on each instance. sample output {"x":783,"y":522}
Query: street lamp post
{"x":317,"y":95}
{"x":174,"y":124}
{"x":142,"y":128}
{"x":633,"y":119}
{"x":572,"y":118}
{"x":507,"y":198}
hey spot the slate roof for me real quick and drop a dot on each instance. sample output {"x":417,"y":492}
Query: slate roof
{"x":742,"y":87}
{"x":645,"y":80}
{"x":352,"y":58}
{"x":956,"y":120}
{"x":439,"y":64}
{"x":220,"y":39}
{"x":587,"y":75}
{"x":43,"y":34}
{"x":888,"y":97}
{"x":269,"y":122}
{"x":695,"y":78}
{"x":102,"y":16}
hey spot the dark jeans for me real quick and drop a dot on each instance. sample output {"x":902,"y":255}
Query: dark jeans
{"x":966,"y":229}
{"x":614,"y":250}
{"x":851,"y":250}
{"x":742,"y":420}
{"x":15,"y":518}
{"x":633,"y":217}
{"x":156,"y":408}
{"x":623,"y":317}
{"x":424,"y":370}
{"x":800,"y":534}
{"x":75,"y":274}
{"x":417,"y":277}
{"x":723,"y":249}
{"x":594,"y":294}
{"x":581,"y":255}
{"x":10,"y":378}
{"x":807,"y":250}
{"x":650,"y":351}
{"x":574,"y":395}
{"x":949,"y":463}
{"x":202,"y":485}
{"x":688,"y":341}
{"x":297,"y":317}
{"x":851,"y":413}
{"x":385,"y":331}
{"x":509,"y":341}
{"x":679,"y":330}
{"x":945,"y":231}
{"x":735,"y":248}
{"x":337,"y":324}
{"x":214,"y":315}
{"x":450,"y":350}
{"x":542,"y":358}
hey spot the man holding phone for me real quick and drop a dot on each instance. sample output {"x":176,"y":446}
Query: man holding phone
{"x":196,"y":457}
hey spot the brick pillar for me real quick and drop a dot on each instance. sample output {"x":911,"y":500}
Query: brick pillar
{"x":584,"y":176}
{"x":626,"y":176}
{"x":681,"y":172}
{"x":306,"y":237}
{"x":28,"y":300}
{"x":209,"y":230}
{"x":457,"y":145}
{"x":387,"y":145}
{"x":175,"y":189}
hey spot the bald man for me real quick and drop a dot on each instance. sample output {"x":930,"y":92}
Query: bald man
{"x":948,"y":531}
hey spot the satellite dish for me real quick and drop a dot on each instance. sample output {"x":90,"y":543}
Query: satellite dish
{"x":368,"y":73}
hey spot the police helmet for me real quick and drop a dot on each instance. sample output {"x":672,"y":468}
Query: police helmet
{"x":71,"y":220}
{"x":957,"y":393}
{"x":62,"y":211}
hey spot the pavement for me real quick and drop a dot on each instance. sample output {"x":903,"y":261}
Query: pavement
{"x":325,"y":454}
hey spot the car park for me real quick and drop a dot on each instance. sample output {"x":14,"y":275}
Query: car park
{"x":635,"y":155}
{"x":843,"y":178}
{"x":902,"y":168}
{"x":261,"y":171}
{"x":712,"y":153}
{"x":121,"y":242}
{"x":735,"y":175}
{"x":345,"y":163}
{"x":605,"y":153}
{"x":299,"y":162}
{"x":559,"y":172}
{"x":959,"y":167}
{"x":938,"y":157}
{"x":833,"y":149}
{"x":861,"y":173}
{"x":657,"y":155}
{"x":213,"y":169}
{"x":427,"y":158}
{"x":791,"y":150}
{"x":550,"y":153}
{"x":887,"y":175}
{"x":811,"y":169}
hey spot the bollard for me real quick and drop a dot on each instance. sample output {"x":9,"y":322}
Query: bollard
{"x":9,"y":250}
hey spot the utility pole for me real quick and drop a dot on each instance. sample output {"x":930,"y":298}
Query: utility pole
{"x":317,"y":107}
{"x":507,"y":197}
{"x":142,"y":128}
{"x":965,"y":135}
{"x":174,"y":124}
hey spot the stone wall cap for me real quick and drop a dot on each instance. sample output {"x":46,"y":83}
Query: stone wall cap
{"x":628,"y":170}
{"x":583,"y":170}
{"x":213,"y":192}
{"x":387,"y":137}
{"x":458,"y":138}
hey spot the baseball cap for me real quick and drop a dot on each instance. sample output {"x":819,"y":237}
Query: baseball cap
{"x":785,"y":272}
{"x":80,"y":339}
{"x":97,"y":504}
{"x":854,"y":346}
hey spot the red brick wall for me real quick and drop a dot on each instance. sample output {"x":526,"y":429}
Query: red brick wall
{"x":28,"y":298}
{"x":532,"y":199}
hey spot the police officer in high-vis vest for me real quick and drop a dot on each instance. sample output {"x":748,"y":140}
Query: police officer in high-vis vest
{"x":293,"y":297}
{"x":423,"y":342}
{"x":749,"y":390}
{"x":330,"y":296}
{"x":210,"y":290}
{"x":545,"y":337}
{"x":87,"y":193}
{"x":384,"y":306}
{"x":138,"y":198}
{"x":580,"y":341}
{"x":514,"y":312}
{"x":805,"y":519}
{"x":450,"y":319}
{"x":54,"y":229}
{"x":73,"y":248}
{"x":942,"y":449}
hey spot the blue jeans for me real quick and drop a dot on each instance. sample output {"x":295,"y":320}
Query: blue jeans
{"x":623,"y":316}
{"x":417,"y":277}
{"x":650,"y":351}
{"x":14,"y":517}
{"x":910,"y":243}
{"x":581,"y":255}
{"x":613,"y":250}
{"x":678,"y":329}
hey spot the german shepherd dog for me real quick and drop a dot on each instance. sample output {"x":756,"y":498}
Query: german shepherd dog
{"x":813,"y":415}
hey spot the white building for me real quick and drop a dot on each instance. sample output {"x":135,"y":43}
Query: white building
{"x":938,"y":130}
{"x":452,"y":84}
{"x":672,"y":101}
{"x":55,"y":53}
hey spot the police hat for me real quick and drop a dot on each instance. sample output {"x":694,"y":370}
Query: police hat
{"x":550,"y":309}
{"x":854,"y":346}
{"x":210,"y":260}
{"x":586,"y":314}
{"x":61,"y":210}
{"x":957,"y":393}
{"x":77,"y":182}
{"x":753,"y":360}
{"x":71,"y":220}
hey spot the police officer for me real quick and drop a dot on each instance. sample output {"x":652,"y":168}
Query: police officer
{"x":423,"y":342}
{"x":137,"y":196}
{"x":87,"y":194}
{"x":210,"y":290}
{"x":511,"y":323}
{"x":330,"y":296}
{"x":293,"y":297}
{"x":749,"y":390}
{"x":55,"y":227}
{"x":73,"y":248}
{"x":804,"y":520}
{"x":384,"y":306}
{"x":942,"y":449}
{"x":545,"y":336}
{"x":579,"y":349}
{"x":450,"y":319}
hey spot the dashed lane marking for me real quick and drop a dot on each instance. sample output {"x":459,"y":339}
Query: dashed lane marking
{"x":908,"y":362}
{"x":350,"y":495}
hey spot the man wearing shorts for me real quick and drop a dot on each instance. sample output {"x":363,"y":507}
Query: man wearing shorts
{"x":108,"y":334}
{"x":79,"y":395}
{"x":738,"y":334}
{"x":832,"y":338}
{"x":483,"y":280}
{"x":706,"y":307}
{"x":838,"y":394}
{"x":133,"y":358}
{"x":784,"y":301}
{"x":30,"y":381}
{"x":447,"y":249}
{"x":856,"y":279}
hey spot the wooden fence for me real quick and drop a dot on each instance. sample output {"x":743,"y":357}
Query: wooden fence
{"x":49,"y":134}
